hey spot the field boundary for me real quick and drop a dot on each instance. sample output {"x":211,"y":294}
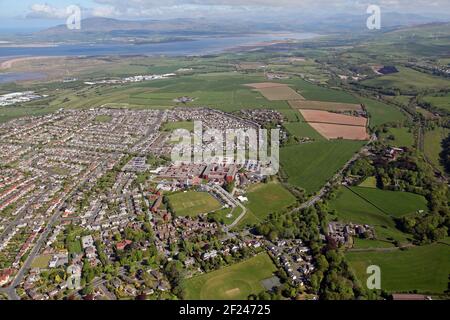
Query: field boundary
{"x":368,"y":201}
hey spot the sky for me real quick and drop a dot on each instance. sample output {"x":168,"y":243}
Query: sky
{"x":34,"y":14}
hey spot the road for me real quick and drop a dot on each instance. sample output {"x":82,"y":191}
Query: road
{"x":337,"y":177}
{"x":11,"y":289}
{"x":230,"y":197}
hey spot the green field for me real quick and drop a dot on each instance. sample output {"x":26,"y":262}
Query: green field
{"x":441,"y":102}
{"x":403,"y":137}
{"x":235,"y":282}
{"x":223,"y":217}
{"x":41,"y":261}
{"x":314,"y":92}
{"x":192,"y":203}
{"x":311,"y":165}
{"x":103,"y":118}
{"x":394,"y":203}
{"x":370,"y":182}
{"x":408,"y":80}
{"x":381,"y":113}
{"x":377,"y":208}
{"x":224,"y":91}
{"x":9,"y":113}
{"x":433,"y":146}
{"x":268,"y":198}
{"x":171,"y":126}
{"x":424,"y":268}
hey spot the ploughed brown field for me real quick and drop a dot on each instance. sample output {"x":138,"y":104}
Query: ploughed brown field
{"x":338,"y":131}
{"x":333,"y":118}
{"x":325,"y":106}
{"x":336,"y":126}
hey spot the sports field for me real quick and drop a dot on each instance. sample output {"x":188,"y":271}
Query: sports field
{"x":41,"y":261}
{"x":171,"y":126}
{"x":311,"y":165}
{"x":193,"y":203}
{"x":103,"y":118}
{"x":268,"y":198}
{"x":235,"y":282}
{"x":424,"y":268}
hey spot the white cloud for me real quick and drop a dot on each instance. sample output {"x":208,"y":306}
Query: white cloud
{"x":131,"y":9}
{"x":46,"y":11}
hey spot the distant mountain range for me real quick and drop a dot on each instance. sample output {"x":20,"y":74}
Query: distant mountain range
{"x":95,"y":28}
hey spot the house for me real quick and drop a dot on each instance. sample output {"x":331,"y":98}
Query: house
{"x":87,"y":242}
{"x":123,"y":244}
{"x":5,"y":276}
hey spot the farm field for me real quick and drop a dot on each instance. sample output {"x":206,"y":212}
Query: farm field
{"x":351,"y":208}
{"x":235,"y":282}
{"x":408,"y":80}
{"x":268,"y":198}
{"x":283,"y":93}
{"x":381,"y":113}
{"x":225,"y":91}
{"x":423,"y":268}
{"x":403,"y":137}
{"x":301,"y":129}
{"x":433,"y":146}
{"x":393,"y":203}
{"x":441,"y":102}
{"x":336,"y":126}
{"x":265,"y":85}
{"x":193,"y":203}
{"x":311,"y":165}
{"x":370,"y":206}
{"x":337,"y":131}
{"x":332,"y":118}
{"x":324,"y":106}
{"x":315,"y":92}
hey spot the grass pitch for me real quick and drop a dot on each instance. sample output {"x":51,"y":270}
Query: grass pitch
{"x":268,"y":198}
{"x":424,"y":268}
{"x":193,"y":203}
{"x":235,"y":282}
